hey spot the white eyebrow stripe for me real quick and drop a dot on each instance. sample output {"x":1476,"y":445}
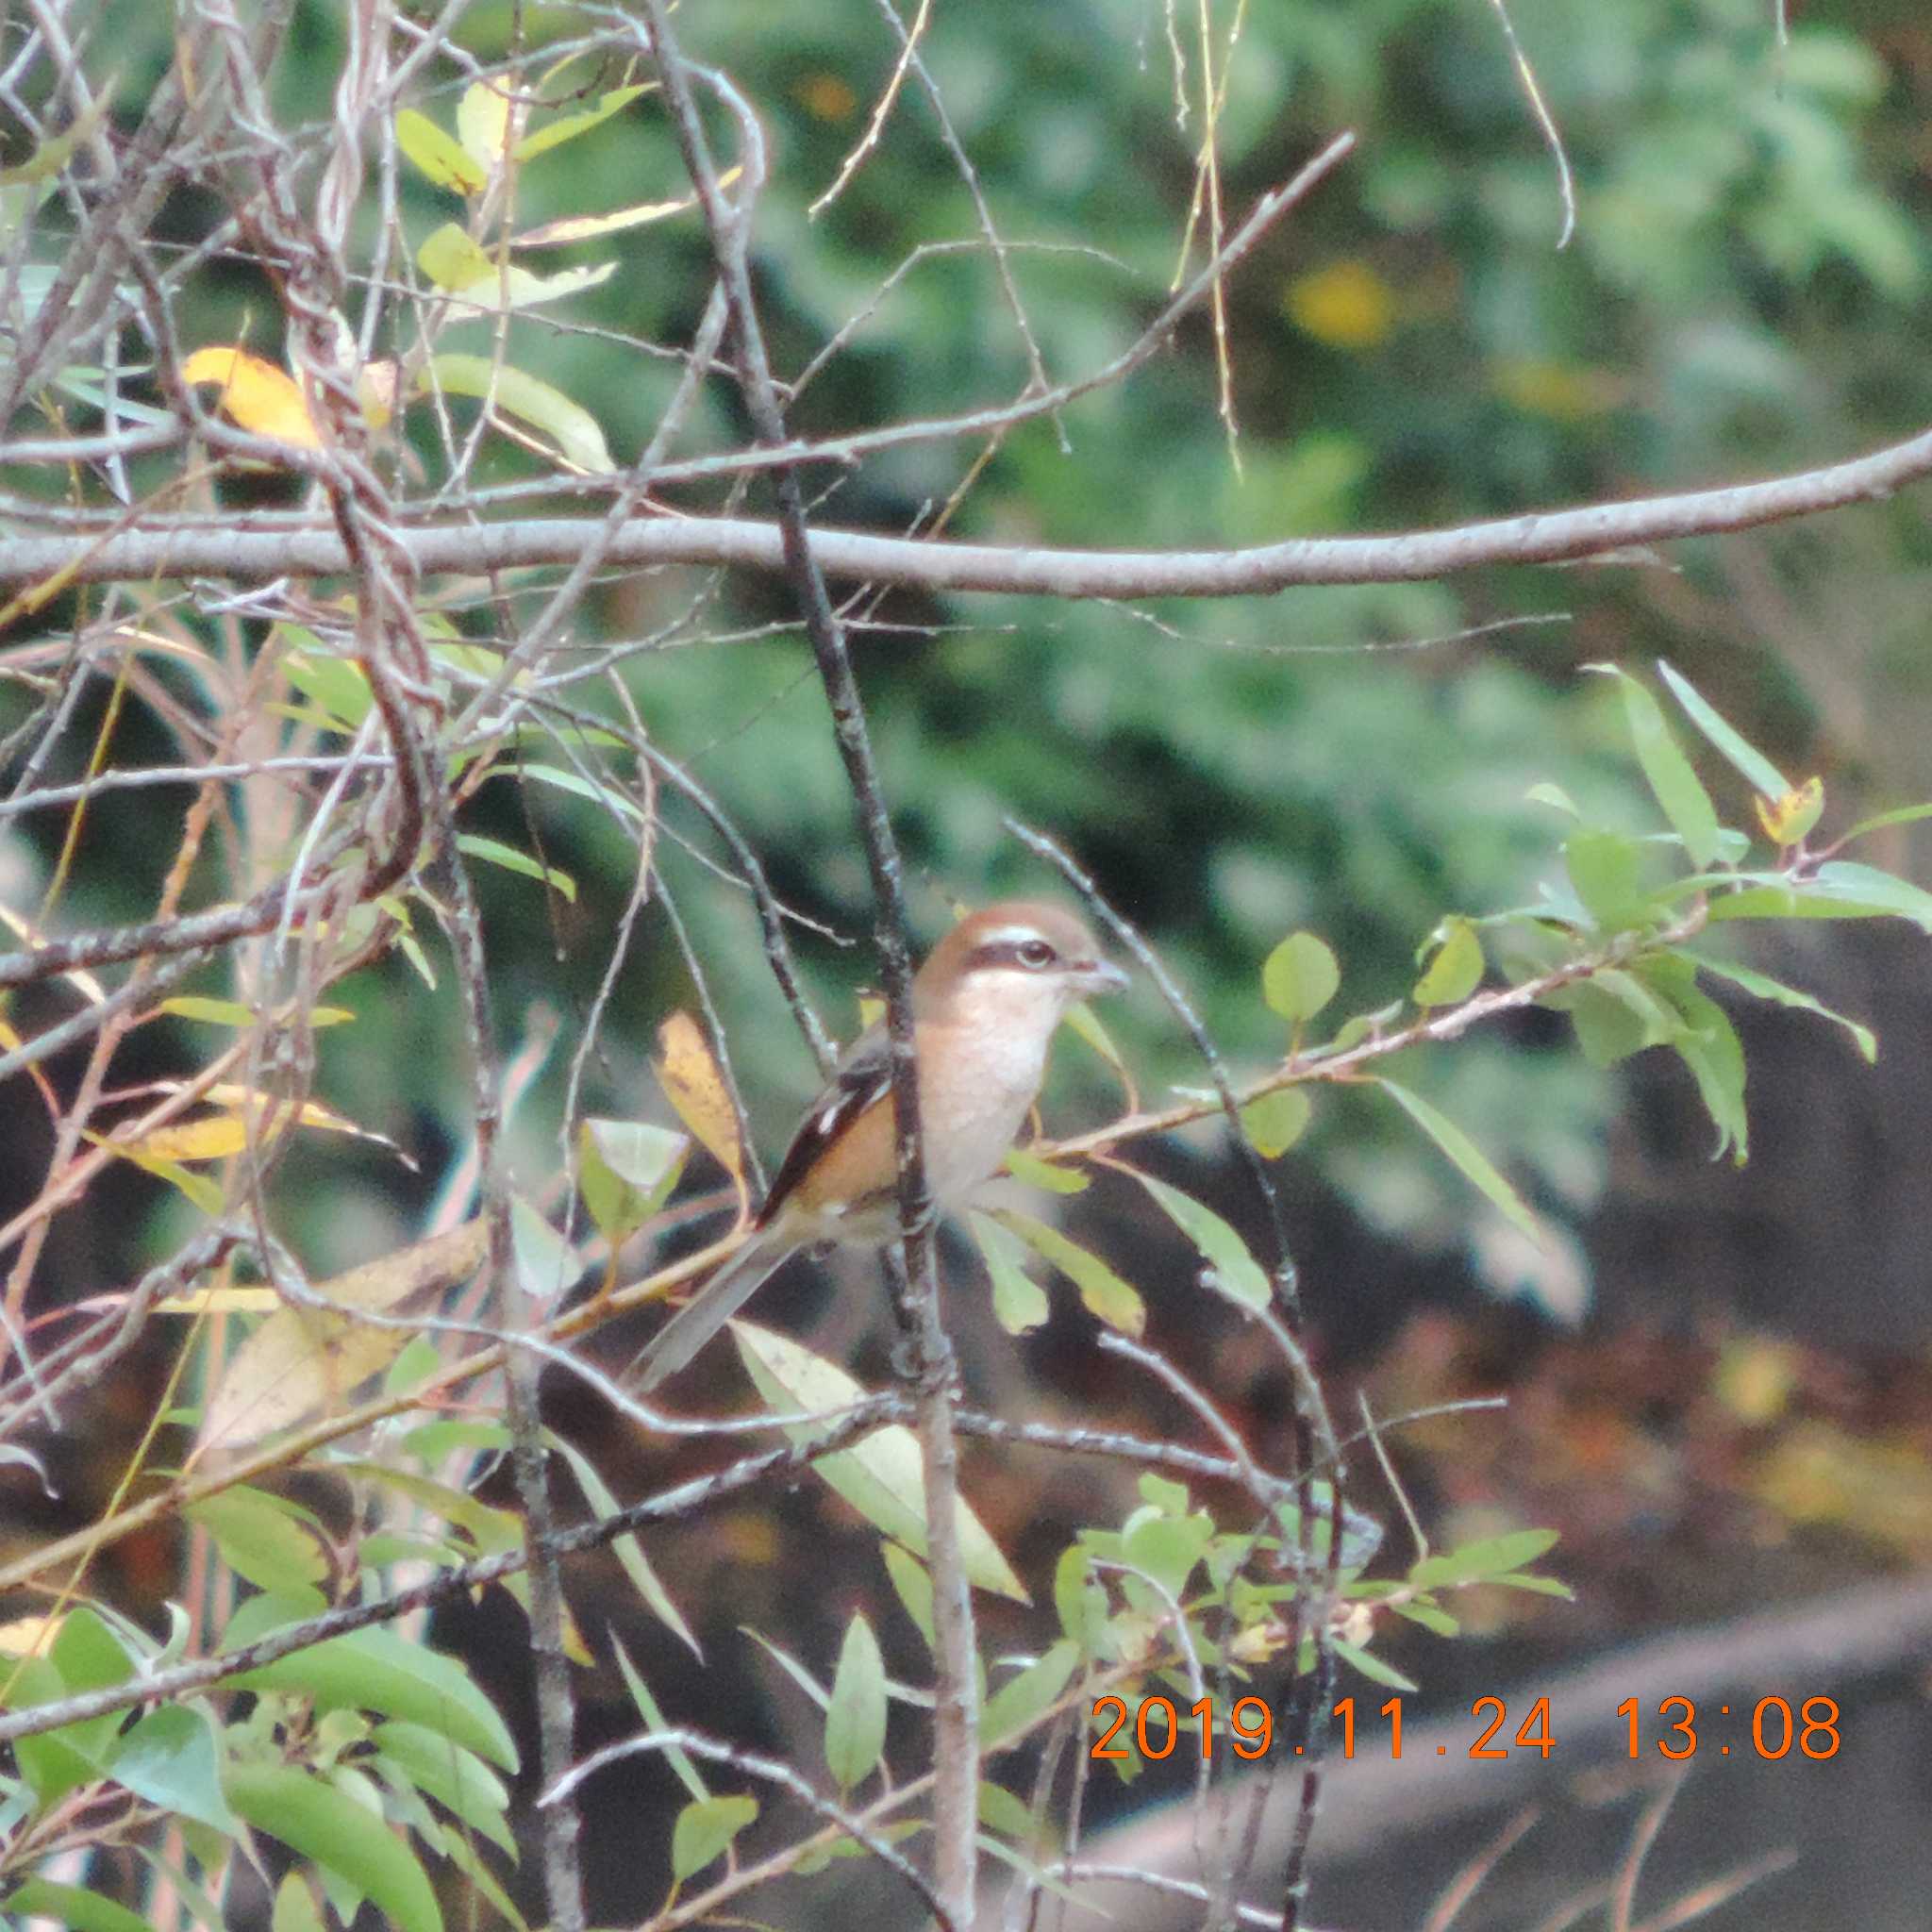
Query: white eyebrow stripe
{"x":1010,"y":936}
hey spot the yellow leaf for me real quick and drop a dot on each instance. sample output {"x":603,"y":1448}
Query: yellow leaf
{"x":587,"y":228}
{"x":1346,"y":305}
{"x":213,"y":1139}
{"x":302,"y":1360}
{"x":261,"y":398}
{"x":688,"y":1071}
{"x":483,"y":124}
{"x":438,"y":154}
{"x":221,"y":1301}
{"x":1787,"y":820}
{"x":217,"y":1136}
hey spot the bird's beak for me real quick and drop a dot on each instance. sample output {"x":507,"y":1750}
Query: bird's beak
{"x":1099,"y":976}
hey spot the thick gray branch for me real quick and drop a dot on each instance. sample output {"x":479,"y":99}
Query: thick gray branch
{"x":1546,"y":537}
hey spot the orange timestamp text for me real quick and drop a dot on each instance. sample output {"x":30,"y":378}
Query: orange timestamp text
{"x":1772,"y":1729}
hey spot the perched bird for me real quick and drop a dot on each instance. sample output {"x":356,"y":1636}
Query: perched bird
{"x":985,"y":1005}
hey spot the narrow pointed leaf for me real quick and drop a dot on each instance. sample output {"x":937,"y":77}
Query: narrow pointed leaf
{"x":1764,"y":987}
{"x":1725,"y":736}
{"x":530,"y":399}
{"x":1673,"y":781}
{"x":1235,"y":1271}
{"x":883,"y":1476}
{"x":1474,"y":1164}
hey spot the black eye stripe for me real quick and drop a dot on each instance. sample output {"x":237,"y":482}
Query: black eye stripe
{"x":1028,"y":955}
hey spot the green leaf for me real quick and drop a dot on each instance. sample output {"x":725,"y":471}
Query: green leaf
{"x":882,"y":1476}
{"x":704,"y":1832}
{"x":546,"y":1263}
{"x":339,"y":1835}
{"x":529,"y":399}
{"x":333,"y":683}
{"x":792,"y":1668}
{"x":71,"y":1906}
{"x":1102,"y":1291}
{"x":1167,"y":1548}
{"x":53,"y":153}
{"x":494,"y":852}
{"x":1673,"y":782}
{"x":912,"y":1586}
{"x":1371,"y":1666}
{"x":1536,"y":1586}
{"x":1762,"y":985}
{"x":439,"y":154}
{"x":1708,"y":1046}
{"x":568,"y":126}
{"x":1080,"y":1601}
{"x":1792,"y":899}
{"x":856,"y":1722}
{"x":1480,"y":1561}
{"x":676,"y":1754}
{"x":1456,"y":970}
{"x":1299,"y":978}
{"x":85,"y":1655}
{"x":1171,"y":1498}
{"x":1235,"y":1271}
{"x":458,"y":1779}
{"x":295,"y":1908}
{"x":1001,"y":1811}
{"x":625,"y":1171}
{"x":1274,"y":1122}
{"x":233,"y":1013}
{"x":259,"y":1540}
{"x":1473,"y":1164}
{"x":380,"y":1670}
{"x":1022,"y":1699}
{"x":468,"y":1862}
{"x":457,"y":264}
{"x":1603,"y":868}
{"x":628,"y":1551}
{"x":1903,"y":815}
{"x":1049,"y":1174}
{"x":1615,"y":1015}
{"x":1432,"y":1617}
{"x":1843,"y":879}
{"x":172,"y":1758}
{"x":1757,"y":769}
{"x":1019,"y":1302}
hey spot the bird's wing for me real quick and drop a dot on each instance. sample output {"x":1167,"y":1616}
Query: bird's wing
{"x":861,"y":1081}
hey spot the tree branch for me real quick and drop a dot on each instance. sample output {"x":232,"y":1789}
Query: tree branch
{"x":258,"y":555}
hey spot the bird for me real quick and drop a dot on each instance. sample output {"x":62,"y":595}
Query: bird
{"x":985,"y":1007}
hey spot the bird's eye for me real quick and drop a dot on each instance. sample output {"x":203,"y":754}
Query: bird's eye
{"x":1036,"y":953}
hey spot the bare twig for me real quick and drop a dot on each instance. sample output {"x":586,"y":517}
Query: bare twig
{"x":1541,"y":537}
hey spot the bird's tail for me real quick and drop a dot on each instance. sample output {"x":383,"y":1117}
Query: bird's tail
{"x":708,"y":1310}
